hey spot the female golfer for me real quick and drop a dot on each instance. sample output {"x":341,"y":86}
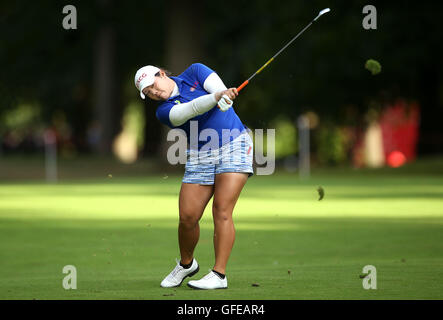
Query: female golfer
{"x":219,"y":161}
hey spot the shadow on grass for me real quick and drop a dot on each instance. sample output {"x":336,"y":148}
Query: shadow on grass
{"x":126,"y":259}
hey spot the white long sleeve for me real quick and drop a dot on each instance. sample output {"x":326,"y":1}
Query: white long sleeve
{"x":182,"y":112}
{"x":213,"y":83}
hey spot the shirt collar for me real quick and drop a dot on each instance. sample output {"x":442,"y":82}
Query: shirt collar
{"x":177,"y":87}
{"x":175,"y":92}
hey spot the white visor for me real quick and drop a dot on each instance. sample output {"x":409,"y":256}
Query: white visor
{"x":144,"y":77}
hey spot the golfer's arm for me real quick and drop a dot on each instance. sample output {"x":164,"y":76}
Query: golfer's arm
{"x":213,"y":83}
{"x":182,"y":112}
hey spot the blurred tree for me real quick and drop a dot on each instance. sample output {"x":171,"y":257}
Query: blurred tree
{"x":87,"y":73}
{"x":106,"y":92}
{"x":324,"y":69}
{"x":183,"y":43}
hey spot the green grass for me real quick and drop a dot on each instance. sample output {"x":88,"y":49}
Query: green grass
{"x":121,"y":235}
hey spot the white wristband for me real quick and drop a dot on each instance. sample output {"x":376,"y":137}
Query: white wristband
{"x":225,"y":103}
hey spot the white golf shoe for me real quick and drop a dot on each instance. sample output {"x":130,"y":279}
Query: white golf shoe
{"x":209,"y":281}
{"x":176,"y":277}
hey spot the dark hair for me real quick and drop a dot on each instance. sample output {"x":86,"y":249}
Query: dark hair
{"x":168,"y":73}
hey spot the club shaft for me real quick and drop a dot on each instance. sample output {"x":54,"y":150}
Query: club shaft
{"x":272,"y":59}
{"x":292,"y":40}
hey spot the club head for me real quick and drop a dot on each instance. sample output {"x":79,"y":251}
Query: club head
{"x":322,"y":13}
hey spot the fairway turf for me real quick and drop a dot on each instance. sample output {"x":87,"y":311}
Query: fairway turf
{"x":121,"y":235}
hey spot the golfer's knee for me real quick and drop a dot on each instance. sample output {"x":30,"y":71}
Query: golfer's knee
{"x":188,"y":220}
{"x":221,"y":213}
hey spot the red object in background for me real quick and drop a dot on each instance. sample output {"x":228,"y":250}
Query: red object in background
{"x":399,"y":124}
{"x":396,"y":159}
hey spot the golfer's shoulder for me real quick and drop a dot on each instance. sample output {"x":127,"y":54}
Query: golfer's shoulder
{"x":201,"y":68}
{"x":164,"y":106}
{"x":162,"y":112}
{"x":198,"y":65}
{"x":196,"y":70}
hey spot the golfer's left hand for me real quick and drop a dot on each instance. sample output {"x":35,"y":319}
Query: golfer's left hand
{"x":225,"y":103}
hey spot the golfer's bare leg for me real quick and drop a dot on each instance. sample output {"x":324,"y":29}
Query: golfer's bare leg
{"x":226,"y":192}
{"x":192,"y":202}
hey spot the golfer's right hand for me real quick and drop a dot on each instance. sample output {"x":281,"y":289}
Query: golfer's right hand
{"x":231,"y":93}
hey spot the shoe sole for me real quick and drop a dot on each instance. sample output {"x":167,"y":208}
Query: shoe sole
{"x":189,"y":275}
{"x":197,"y":288}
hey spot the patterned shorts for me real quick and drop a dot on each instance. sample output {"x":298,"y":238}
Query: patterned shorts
{"x":235,"y":156}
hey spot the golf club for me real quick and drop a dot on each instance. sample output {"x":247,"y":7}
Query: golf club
{"x":281,"y":50}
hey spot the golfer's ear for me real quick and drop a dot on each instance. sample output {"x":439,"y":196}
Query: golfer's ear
{"x":162,"y":73}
